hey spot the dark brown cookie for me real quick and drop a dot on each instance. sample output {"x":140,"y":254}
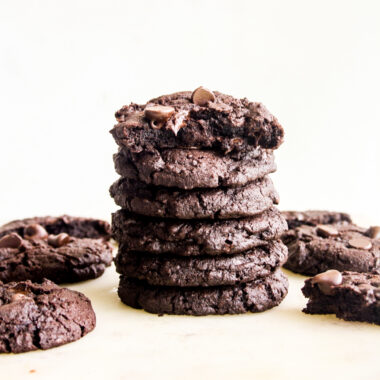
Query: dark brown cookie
{"x":42,"y":316}
{"x":255,"y":296}
{"x":166,"y":270}
{"x":341,"y":246}
{"x":74,"y":226}
{"x":314,"y":217}
{"x":349,"y":295}
{"x":223,"y":203}
{"x":180,"y":120}
{"x":35,"y":255}
{"x":188,"y":169}
{"x":193,"y":238}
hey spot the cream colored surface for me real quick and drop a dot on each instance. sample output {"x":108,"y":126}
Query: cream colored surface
{"x":282,"y":343}
{"x":66,"y":66}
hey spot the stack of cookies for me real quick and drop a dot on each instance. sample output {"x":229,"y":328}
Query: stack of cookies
{"x":198,"y":231}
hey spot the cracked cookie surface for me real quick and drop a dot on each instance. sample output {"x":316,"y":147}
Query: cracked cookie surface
{"x":194,"y":238}
{"x":315,"y":247}
{"x":189,"y":169}
{"x":255,"y":296}
{"x":166,"y":270}
{"x":42,"y":316}
{"x":222,"y":203}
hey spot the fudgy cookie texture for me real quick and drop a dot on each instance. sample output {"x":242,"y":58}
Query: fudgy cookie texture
{"x":349,"y":295}
{"x":189,"y":169}
{"x":203,"y":271}
{"x":74,"y":226}
{"x":222,"y":203}
{"x":41,"y":316}
{"x":314,"y":217}
{"x":61,"y":258}
{"x":192,"y":237}
{"x":255,"y":296}
{"x":342,"y":246}
{"x":202,"y":120}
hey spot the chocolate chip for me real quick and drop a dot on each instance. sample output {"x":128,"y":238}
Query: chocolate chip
{"x":360,"y":243}
{"x":58,"y":240}
{"x":326,"y":231}
{"x":12,"y":240}
{"x":374,"y":232}
{"x":201,"y":96}
{"x":35,"y":231}
{"x":158,"y":114}
{"x":327,"y":280}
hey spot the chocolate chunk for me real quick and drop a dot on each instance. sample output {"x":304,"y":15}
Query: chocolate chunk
{"x":58,"y":240}
{"x":158,"y":115}
{"x":327,"y":280}
{"x":12,"y":240}
{"x":374,"y":232}
{"x":35,"y":231}
{"x":326,"y":230}
{"x":360,"y":243}
{"x":201,"y":96}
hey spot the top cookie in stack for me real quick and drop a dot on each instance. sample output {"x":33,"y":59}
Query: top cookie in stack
{"x":194,"y":182}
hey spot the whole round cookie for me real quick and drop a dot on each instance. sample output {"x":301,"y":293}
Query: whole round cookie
{"x":35,"y":255}
{"x":223,"y":203}
{"x":202,"y":119}
{"x":189,"y":169}
{"x":204,"y":271}
{"x":340,"y":246}
{"x":255,"y":296}
{"x":194,"y":237}
{"x":41,"y":316}
{"x":72,"y":225}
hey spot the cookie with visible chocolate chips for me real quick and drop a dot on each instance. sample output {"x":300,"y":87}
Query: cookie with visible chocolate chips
{"x":314,"y":217}
{"x":166,"y":270}
{"x":349,"y":295}
{"x":188,"y":169}
{"x":255,"y":296}
{"x":221,"y":203}
{"x":42,"y":316}
{"x":202,"y":120}
{"x":194,"y":237}
{"x":35,"y":255}
{"x":72,"y":225}
{"x":315,"y":248}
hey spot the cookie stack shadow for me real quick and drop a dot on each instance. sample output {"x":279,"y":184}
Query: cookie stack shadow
{"x":198,"y":230}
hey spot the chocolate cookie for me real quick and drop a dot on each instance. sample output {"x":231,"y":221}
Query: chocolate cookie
{"x":349,"y":295}
{"x":166,"y":270}
{"x":35,"y":255}
{"x":222,"y":203}
{"x":188,"y":169}
{"x":74,"y":226}
{"x":341,"y":246}
{"x":314,"y":217}
{"x":42,"y":316}
{"x":201,"y":120}
{"x":254,"y":296}
{"x":193,"y":238}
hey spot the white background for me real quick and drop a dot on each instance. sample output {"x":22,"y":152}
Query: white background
{"x":67,"y":66}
